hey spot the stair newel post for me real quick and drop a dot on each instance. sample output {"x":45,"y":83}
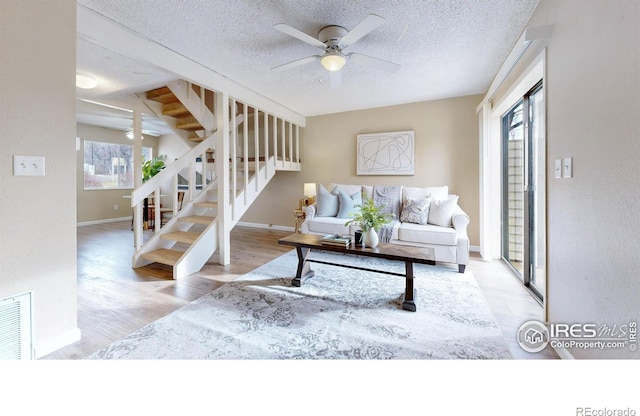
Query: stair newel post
{"x":222,"y":173}
{"x":245,"y":151}
{"x":266,"y":144}
{"x":174,"y":195}
{"x":192,"y":180}
{"x":157,"y":214}
{"x":283,"y":149}
{"x":290,"y":143}
{"x":275,"y":141}
{"x":297,"y":130}
{"x":256,"y":146}
{"x":233,"y":149}
{"x":137,"y":178}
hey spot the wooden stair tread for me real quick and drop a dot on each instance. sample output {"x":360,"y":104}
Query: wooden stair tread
{"x":188,"y":123}
{"x":162,"y":95}
{"x":206,"y":204}
{"x":188,"y":237}
{"x":163,"y":256}
{"x":197,"y":219}
{"x":176,"y":109}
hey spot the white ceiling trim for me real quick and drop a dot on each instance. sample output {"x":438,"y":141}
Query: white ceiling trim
{"x":112,"y":36}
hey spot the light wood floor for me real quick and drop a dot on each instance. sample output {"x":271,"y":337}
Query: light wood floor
{"x":114,"y":299}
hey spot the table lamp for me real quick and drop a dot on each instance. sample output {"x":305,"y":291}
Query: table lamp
{"x":310,"y":192}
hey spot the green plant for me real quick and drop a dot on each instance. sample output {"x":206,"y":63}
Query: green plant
{"x":370,"y":215}
{"x":150,"y":168}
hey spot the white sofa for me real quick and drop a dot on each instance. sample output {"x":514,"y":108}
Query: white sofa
{"x":443,"y":227}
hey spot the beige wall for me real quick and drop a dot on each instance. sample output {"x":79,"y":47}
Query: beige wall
{"x":38,"y":214}
{"x":593,"y":101}
{"x":446,"y":134}
{"x":98,"y":205}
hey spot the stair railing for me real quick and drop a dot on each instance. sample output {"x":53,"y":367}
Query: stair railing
{"x":151,"y":188}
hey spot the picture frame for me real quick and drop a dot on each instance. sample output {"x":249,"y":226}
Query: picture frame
{"x":388,"y":153}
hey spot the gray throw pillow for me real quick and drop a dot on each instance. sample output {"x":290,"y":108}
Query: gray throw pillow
{"x":327,"y":203}
{"x":415,"y":211}
{"x":347,"y":204}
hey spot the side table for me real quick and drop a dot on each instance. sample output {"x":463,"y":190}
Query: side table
{"x":300,"y":216}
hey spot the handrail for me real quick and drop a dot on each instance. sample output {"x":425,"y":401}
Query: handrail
{"x":138,"y":195}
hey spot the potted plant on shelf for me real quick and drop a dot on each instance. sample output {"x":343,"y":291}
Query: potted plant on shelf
{"x":370,"y":218}
{"x":150,"y":168}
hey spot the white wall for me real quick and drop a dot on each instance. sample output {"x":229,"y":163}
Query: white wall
{"x":37,"y":117}
{"x":593,"y":114}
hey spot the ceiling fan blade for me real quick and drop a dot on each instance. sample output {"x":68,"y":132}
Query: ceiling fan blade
{"x":380,"y":64}
{"x":369,"y":23}
{"x":335,"y":79}
{"x":295,"y":63}
{"x":299,"y":35}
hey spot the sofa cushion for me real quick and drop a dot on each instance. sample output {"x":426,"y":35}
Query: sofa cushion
{"x":328,"y":225}
{"x":327,"y":203}
{"x":438,"y":192}
{"x":427,"y":234}
{"x":441,"y":211}
{"x":347,"y":204}
{"x":415,"y":211}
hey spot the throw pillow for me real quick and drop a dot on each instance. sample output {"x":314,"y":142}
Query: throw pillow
{"x":389,"y":198}
{"x":441,"y":211}
{"x":326,"y":203}
{"x":347,"y":203}
{"x":415,"y":211}
{"x":438,"y":192}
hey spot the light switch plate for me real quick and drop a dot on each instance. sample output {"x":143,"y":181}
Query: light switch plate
{"x":558,"y":168}
{"x":28,"y":165}
{"x":567,"y":167}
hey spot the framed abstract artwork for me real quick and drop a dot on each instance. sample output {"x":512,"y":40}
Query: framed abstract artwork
{"x":386,"y":153}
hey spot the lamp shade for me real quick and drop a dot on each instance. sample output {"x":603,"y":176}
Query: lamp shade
{"x":333,"y":61}
{"x":309,"y":189}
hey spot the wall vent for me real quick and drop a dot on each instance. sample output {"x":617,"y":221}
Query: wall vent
{"x":15,"y":327}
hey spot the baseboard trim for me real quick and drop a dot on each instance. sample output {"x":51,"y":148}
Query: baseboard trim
{"x":266,"y":226}
{"x":105,"y":221}
{"x":55,"y":343}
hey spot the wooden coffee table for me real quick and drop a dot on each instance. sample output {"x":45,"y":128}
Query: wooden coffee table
{"x":305,"y":243}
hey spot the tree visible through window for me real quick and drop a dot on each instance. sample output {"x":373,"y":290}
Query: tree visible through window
{"x":109,"y":166}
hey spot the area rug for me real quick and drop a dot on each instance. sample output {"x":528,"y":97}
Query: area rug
{"x":340,"y":313}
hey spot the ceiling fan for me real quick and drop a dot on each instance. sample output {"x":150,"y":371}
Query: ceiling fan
{"x":333,"y":40}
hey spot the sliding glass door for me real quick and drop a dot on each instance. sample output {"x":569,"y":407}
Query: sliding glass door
{"x":523,"y":195}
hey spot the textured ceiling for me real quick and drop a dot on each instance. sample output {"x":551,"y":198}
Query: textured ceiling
{"x":446,"y":48}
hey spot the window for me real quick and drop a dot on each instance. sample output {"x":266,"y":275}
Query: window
{"x":110,"y":166}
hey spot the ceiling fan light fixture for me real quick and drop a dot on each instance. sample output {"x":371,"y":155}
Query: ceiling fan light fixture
{"x":333,"y":61}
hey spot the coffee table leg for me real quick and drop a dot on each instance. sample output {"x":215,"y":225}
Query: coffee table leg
{"x":304,"y":271}
{"x":410,"y":294}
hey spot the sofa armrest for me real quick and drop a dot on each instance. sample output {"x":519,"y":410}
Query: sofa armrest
{"x":309,"y":214}
{"x":310,"y":211}
{"x":460,"y":219}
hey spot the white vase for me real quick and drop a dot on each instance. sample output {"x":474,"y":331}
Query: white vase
{"x":370,"y":238}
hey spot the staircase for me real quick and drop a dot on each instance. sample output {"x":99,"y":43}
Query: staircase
{"x":234,"y":170}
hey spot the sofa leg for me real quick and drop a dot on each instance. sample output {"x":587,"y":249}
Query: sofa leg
{"x":461,"y":268}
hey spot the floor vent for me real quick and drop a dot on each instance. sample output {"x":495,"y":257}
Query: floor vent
{"x":15,"y":327}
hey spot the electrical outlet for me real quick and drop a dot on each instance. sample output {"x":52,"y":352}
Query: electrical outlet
{"x":28,"y":165}
{"x":115,"y":207}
